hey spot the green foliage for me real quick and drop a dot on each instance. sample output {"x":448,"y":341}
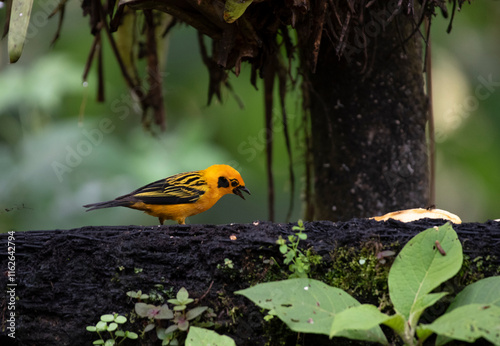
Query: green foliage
{"x":138,"y":295}
{"x":111,"y":324}
{"x":299,"y":263}
{"x":474,"y":313}
{"x":427,"y":260}
{"x":308,"y":306}
{"x":199,"y":336}
{"x":228,"y":264}
{"x":179,"y":317}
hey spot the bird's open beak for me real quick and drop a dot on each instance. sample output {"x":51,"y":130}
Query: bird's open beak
{"x":237,"y":191}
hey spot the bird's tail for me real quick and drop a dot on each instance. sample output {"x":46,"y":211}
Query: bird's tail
{"x":107,"y":204}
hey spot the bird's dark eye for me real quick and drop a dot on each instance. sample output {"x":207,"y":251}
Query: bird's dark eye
{"x":223,"y":182}
{"x":234,"y":182}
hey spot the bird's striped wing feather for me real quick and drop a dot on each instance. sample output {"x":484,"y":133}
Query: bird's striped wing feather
{"x":178,"y":189}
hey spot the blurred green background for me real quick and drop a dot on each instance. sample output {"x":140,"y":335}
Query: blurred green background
{"x":56,"y":154}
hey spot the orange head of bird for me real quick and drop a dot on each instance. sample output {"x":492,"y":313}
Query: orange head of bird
{"x":226,"y":179}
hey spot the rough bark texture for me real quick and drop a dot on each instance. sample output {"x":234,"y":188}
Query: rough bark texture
{"x":66,"y":279}
{"x":368,"y":114}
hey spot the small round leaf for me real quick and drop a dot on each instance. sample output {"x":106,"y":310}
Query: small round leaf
{"x":120,"y":319}
{"x":107,"y":318}
{"x":112,"y":327}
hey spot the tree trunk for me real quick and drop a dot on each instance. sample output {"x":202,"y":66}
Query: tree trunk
{"x":64,"y":280}
{"x":368,"y":116}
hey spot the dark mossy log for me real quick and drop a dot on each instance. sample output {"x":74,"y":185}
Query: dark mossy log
{"x":67,"y":279}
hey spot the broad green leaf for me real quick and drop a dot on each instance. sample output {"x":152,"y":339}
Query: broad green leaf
{"x":201,"y":336}
{"x":360,"y":317}
{"x":234,"y":9}
{"x":468,"y":323}
{"x":397,"y":323}
{"x":485,"y":291}
{"x":308,"y":306}
{"x":420,"y":267}
{"x":19,"y":21}
{"x":423,"y":303}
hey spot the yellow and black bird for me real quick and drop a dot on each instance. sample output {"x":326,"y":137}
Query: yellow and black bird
{"x":181,"y":195}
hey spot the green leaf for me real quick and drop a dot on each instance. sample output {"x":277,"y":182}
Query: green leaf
{"x":101,"y":326}
{"x":423,"y":303}
{"x":98,"y":342}
{"x":180,"y":307}
{"x":164,"y":313}
{"x":308,"y":306}
{"x":485,"y":291}
{"x":160,"y":333}
{"x":112,"y":327}
{"x":131,"y":335}
{"x":468,"y":323}
{"x":107,"y":318}
{"x":91,"y":328}
{"x":120,"y":319}
{"x":171,"y":329}
{"x":283,"y":249}
{"x":133,"y":294}
{"x":397,"y":322}
{"x":120,"y":333}
{"x":174,"y":302}
{"x":149,"y":327}
{"x":420,"y":267}
{"x":18,"y":27}
{"x":362,"y":317}
{"x":302,"y":236}
{"x":200,"y":336}
{"x":150,"y":310}
{"x":182,"y":295}
{"x":109,"y":342}
{"x":193,"y":313}
{"x":183,"y":325}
